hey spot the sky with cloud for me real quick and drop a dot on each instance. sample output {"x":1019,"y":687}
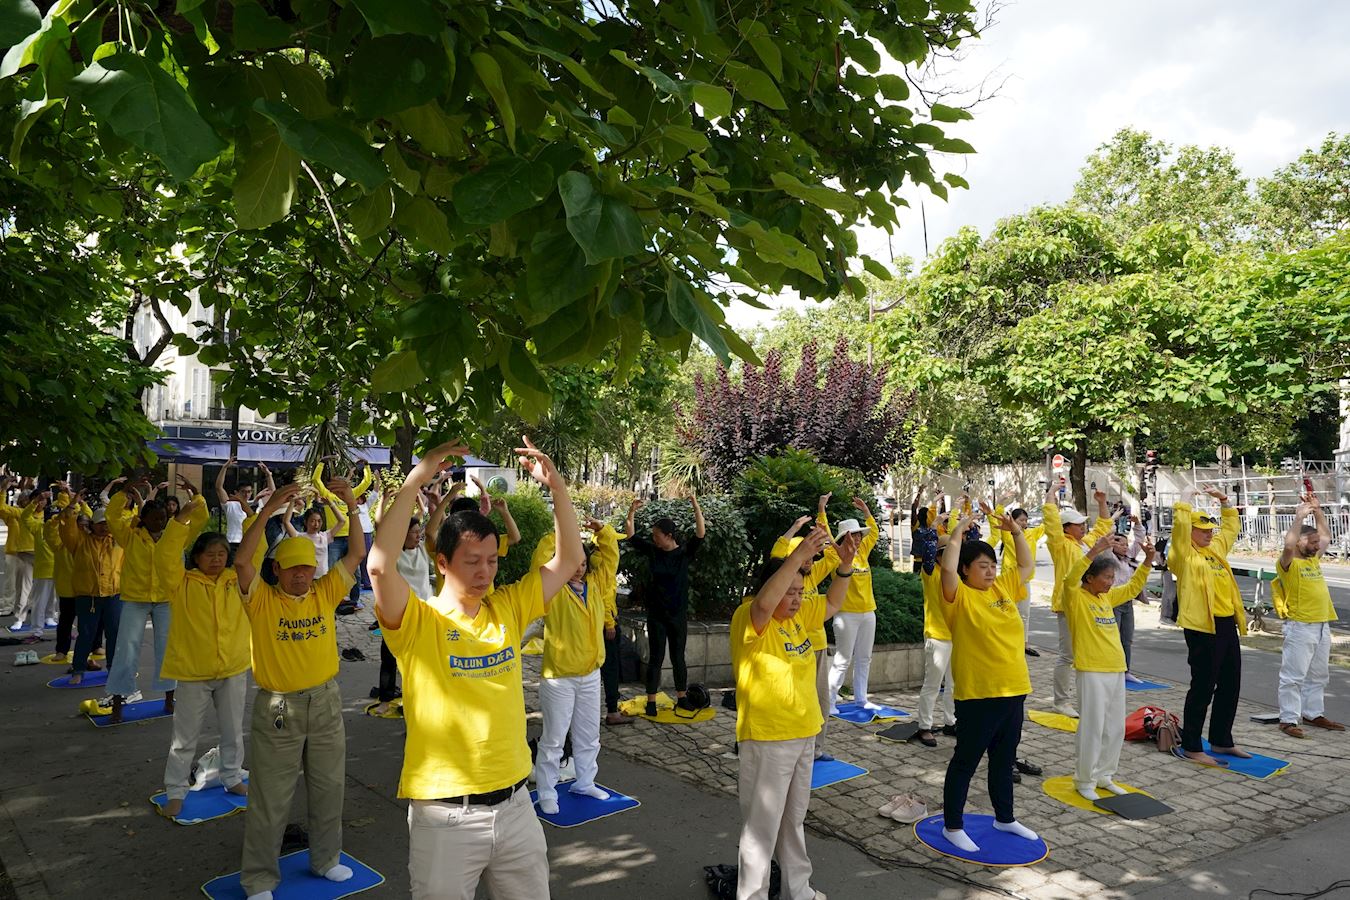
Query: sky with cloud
{"x":1266,"y":80}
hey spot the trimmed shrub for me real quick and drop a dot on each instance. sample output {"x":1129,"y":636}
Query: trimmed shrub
{"x":899,"y":597}
{"x":534,"y":518}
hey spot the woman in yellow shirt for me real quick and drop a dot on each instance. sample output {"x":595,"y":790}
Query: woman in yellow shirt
{"x":466,"y":762}
{"x":96,"y":562}
{"x":855,"y":627}
{"x":208,"y":653}
{"x":1090,"y":602}
{"x":989,"y":676}
{"x":778,"y":714}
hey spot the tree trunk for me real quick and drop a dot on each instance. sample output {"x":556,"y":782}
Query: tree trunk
{"x":1078,"y":475}
{"x":403,"y":444}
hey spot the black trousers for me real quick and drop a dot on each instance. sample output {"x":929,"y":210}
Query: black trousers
{"x":609,"y":674}
{"x":1216,"y":675}
{"x":65,"y":623}
{"x":663,"y":630}
{"x":388,"y":674}
{"x":991,"y":725}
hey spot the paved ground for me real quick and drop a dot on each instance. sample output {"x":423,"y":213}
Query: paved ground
{"x":74,"y":820}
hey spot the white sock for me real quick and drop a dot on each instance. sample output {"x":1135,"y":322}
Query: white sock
{"x":548,"y":805}
{"x":868,"y":704}
{"x":1088,"y":794}
{"x":339,"y":872}
{"x":1109,"y":785}
{"x":592,"y":791}
{"x":961,"y":840}
{"x":1017,"y":828}
{"x":261,"y":895}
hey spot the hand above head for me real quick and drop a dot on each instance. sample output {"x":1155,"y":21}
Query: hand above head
{"x":435,"y":460}
{"x":848,"y":547}
{"x":824,"y":501}
{"x":861,"y":506}
{"x":1005,"y":523}
{"x":1099,"y":495}
{"x":262,"y":465}
{"x":539,"y":466}
{"x":637,"y":504}
{"x":812,"y":544}
{"x":342,"y":489}
{"x":1103,"y":543}
{"x":1217,"y":494}
{"x":231,"y":462}
{"x":499,"y":504}
{"x":987,"y":510}
{"x":283,"y":496}
{"x":1149,"y":551}
{"x":593,"y":525}
{"x":796,"y":526}
{"x":187,"y":486}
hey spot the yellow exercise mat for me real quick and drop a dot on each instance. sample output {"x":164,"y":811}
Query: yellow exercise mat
{"x":58,"y":659}
{"x":533,"y":647}
{"x":1054,"y":720}
{"x":666,"y":713}
{"x":1061,"y":788}
{"x":395,"y":709}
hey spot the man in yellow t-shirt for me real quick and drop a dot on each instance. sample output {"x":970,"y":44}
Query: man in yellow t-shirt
{"x":1304,"y":602}
{"x":297,"y":713}
{"x":1067,"y":538}
{"x":1211,"y":615}
{"x":465,"y":761}
{"x":778,"y":714}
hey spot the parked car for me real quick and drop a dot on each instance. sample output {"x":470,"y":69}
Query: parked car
{"x":890,"y":509}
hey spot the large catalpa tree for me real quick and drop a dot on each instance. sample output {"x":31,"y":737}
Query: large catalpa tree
{"x":420,"y":206}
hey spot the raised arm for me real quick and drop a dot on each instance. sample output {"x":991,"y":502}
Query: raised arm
{"x":341,"y":520}
{"x":1320,"y":520}
{"x":792,"y":530}
{"x":512,"y":529}
{"x":169,"y":549}
{"x":1293,"y":534}
{"x":220,"y":482}
{"x":869,"y":540}
{"x":951,"y":559}
{"x":287,"y":520}
{"x":356,"y":535}
{"x":849,"y":548}
{"x":391,"y":588}
{"x":772,"y":591}
{"x":1180,"y":546}
{"x":570,"y":553}
{"x":437,"y":517}
{"x":244,"y":564}
{"x":1080,"y":564}
{"x":119,"y":521}
{"x":700,"y":528}
{"x":633,"y":507}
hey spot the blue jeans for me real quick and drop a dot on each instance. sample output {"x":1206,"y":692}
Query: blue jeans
{"x":130,"y":633}
{"x":91,"y":613}
{"x":337,"y":549}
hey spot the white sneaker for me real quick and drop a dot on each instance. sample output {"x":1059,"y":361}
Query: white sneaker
{"x":17,"y":626}
{"x":1066,"y":711}
{"x":133,"y":697}
{"x":50,"y":623}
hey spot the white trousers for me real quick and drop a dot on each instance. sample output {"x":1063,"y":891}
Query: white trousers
{"x":6,"y":583}
{"x":1304,"y":669}
{"x":22,"y":565}
{"x":1024,"y":610}
{"x":452,"y":845}
{"x":775,"y":790}
{"x":1064,"y":663}
{"x":569,"y":704}
{"x":937,"y":666}
{"x":43,"y":603}
{"x":823,"y":695}
{"x":853,"y":637}
{"x":1101,"y":727}
{"x":190,"y":702}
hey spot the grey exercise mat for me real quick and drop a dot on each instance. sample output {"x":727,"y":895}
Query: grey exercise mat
{"x":1134,"y":806}
{"x":900,"y":732}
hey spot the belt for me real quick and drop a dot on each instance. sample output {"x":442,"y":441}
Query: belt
{"x":491,"y":798}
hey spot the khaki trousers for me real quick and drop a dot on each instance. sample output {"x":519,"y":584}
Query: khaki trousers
{"x":775,"y":791}
{"x":1064,"y":670}
{"x":190,"y":702}
{"x":311,"y":732}
{"x":823,"y":695}
{"x":452,"y":845}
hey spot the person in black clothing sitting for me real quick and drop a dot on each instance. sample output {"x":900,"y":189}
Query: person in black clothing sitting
{"x":668,"y":597}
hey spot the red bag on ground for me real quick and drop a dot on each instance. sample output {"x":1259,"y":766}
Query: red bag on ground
{"x":1153,"y":723}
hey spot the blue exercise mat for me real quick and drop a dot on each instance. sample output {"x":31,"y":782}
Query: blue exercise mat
{"x":140,"y":711}
{"x":298,"y":883}
{"x":25,"y":631}
{"x":91,"y":679}
{"x":997,"y":848}
{"x":826,"y":772}
{"x":202,"y":806}
{"x":1259,"y":767}
{"x":575,"y":809}
{"x":1145,"y":686}
{"x":853,"y":712}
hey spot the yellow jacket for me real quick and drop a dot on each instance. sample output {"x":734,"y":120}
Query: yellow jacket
{"x":1009,"y":576}
{"x":332,"y":499}
{"x":860,"y":598}
{"x":210,"y":635}
{"x":19,"y":539}
{"x":97,"y":562}
{"x":1196,"y":570}
{"x":574,"y":630}
{"x":139,"y":584}
{"x":1065,"y":552}
{"x":44,"y":561}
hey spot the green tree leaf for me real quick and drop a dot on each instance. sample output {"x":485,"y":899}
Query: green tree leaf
{"x":396,"y":72}
{"x":422,"y":220}
{"x":715,"y":100}
{"x":893,"y":87}
{"x":398,"y":372}
{"x":328,"y":143}
{"x":755,"y":85}
{"x":254,"y":29}
{"x":525,"y":379}
{"x":402,"y":17}
{"x":264,"y":183}
{"x":556,"y":272}
{"x":372,"y":214}
{"x":501,"y":189}
{"x":142,"y":104}
{"x":605,"y":227}
{"x":490,"y":74}
{"x":18,"y":20}
{"x":818,"y":194}
{"x":691,"y":316}
{"x":943,"y":113}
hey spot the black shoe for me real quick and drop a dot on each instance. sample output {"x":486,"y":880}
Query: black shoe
{"x":949,"y":730}
{"x":651,"y":709}
{"x":1017,"y":777}
{"x":1032,"y":651}
{"x":683,"y":703}
{"x":1027,"y":768}
{"x":926,"y":738}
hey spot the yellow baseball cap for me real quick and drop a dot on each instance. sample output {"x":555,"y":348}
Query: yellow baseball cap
{"x":1205,"y":522}
{"x":791,"y":545}
{"x":295,"y":551}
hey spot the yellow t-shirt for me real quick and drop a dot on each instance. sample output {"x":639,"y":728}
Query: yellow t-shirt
{"x":988,"y":644}
{"x":820,"y":570}
{"x":776,"y":674}
{"x":934,"y":618}
{"x":463,"y":700}
{"x":1092,"y":619}
{"x":859,"y":598}
{"x":1305,"y":591}
{"x":295,"y":638}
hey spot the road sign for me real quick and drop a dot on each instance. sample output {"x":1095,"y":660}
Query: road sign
{"x":1058,"y":462}
{"x":1225,"y":454}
